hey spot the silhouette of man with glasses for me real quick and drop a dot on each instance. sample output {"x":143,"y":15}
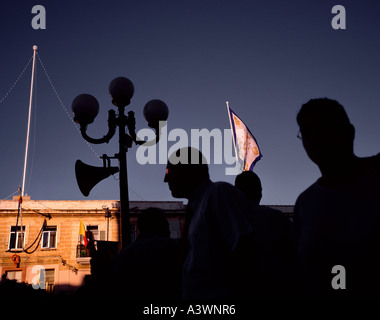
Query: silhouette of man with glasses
{"x":337,"y":219}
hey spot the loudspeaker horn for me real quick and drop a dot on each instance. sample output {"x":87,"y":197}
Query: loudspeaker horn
{"x":88,"y":176}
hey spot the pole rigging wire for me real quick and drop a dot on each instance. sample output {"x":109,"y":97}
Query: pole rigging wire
{"x":33,"y":58}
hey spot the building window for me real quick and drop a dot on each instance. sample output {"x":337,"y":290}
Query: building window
{"x":94,"y":230}
{"x":47,"y":279}
{"x":175,"y":229}
{"x":16,"y":238}
{"x":83,"y":251}
{"x":133,"y":232}
{"x":49,"y":237}
{"x":96,"y":234}
{"x":93,"y":235}
{"x":14,"y":275}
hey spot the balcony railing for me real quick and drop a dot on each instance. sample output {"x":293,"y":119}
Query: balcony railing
{"x":83,"y":254}
{"x":82,"y":251}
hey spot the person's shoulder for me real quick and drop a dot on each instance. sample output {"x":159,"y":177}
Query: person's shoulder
{"x":224,"y":196}
{"x":268,"y":212}
{"x":266,"y":209}
{"x":311,"y":189}
{"x":223,"y":185}
{"x":376,"y":163}
{"x":369,"y":166}
{"x":309,"y":192}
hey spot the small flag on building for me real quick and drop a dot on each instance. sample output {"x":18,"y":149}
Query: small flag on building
{"x":246,"y":147}
{"x":19,"y":195}
{"x":82,"y":232}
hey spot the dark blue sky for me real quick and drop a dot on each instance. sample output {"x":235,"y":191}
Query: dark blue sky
{"x":266,"y":58}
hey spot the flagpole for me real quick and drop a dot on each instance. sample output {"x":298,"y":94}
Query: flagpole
{"x":30,"y":111}
{"x":233,"y":137}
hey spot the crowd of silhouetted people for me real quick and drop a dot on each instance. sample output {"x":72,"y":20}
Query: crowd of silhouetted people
{"x":233,"y":248}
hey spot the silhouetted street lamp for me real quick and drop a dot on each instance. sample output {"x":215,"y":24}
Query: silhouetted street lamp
{"x":85,"y":108}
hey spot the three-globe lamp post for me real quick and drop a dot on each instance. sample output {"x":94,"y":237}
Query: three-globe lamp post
{"x":86,"y":107}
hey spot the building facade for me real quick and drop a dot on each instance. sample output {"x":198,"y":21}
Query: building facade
{"x":41,"y":245}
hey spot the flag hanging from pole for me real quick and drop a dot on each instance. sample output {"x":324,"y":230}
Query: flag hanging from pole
{"x":82,"y":232}
{"x":246,"y":148}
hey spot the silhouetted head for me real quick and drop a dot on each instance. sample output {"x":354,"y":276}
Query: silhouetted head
{"x":327,"y":134}
{"x":152,"y":222}
{"x":186,"y":169}
{"x":249,"y":183}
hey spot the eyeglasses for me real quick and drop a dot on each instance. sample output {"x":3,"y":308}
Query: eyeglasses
{"x":315,"y":135}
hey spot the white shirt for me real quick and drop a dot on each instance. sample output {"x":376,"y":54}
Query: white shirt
{"x":219,"y":220}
